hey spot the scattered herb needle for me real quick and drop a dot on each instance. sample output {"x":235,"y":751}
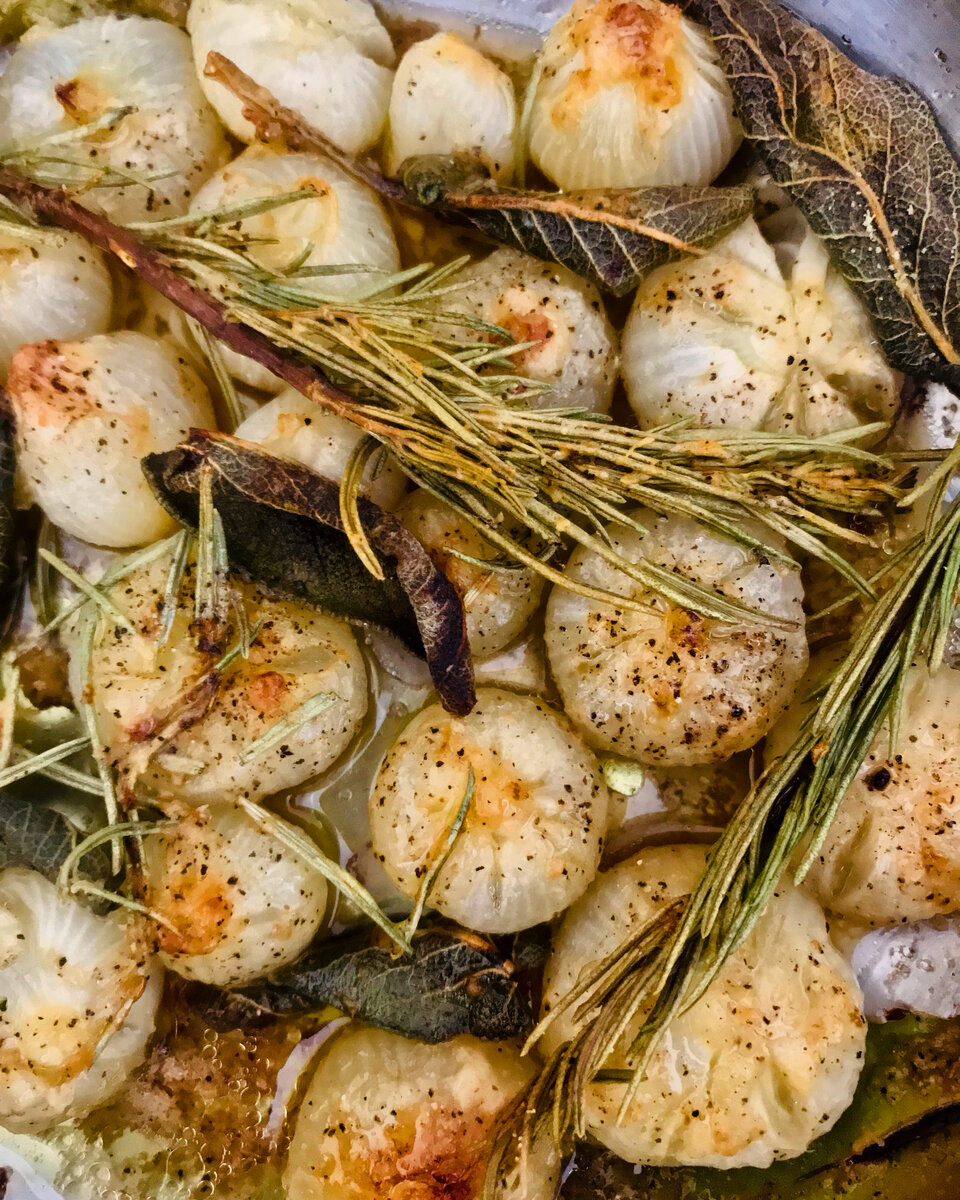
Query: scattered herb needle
{"x":32,"y":764}
{"x":22,"y":834}
{"x":439,"y":855}
{"x":338,"y":877}
{"x":285,"y":729}
{"x":453,"y":413}
{"x":669,"y":964}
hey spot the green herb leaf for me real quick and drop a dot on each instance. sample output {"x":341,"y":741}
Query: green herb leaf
{"x":283,"y":528}
{"x":32,"y":835}
{"x":613,"y":238}
{"x":451,"y":982}
{"x":864,"y":159}
{"x":910,"y":1081}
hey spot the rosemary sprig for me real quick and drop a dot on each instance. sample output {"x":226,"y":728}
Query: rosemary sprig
{"x":787,"y":812}
{"x":109,"y":833}
{"x":85,"y":888}
{"x":111,"y":804}
{"x":114,"y":573}
{"x":187,"y":707}
{"x":50,"y":158}
{"x":59,"y":772}
{"x":23,"y":148}
{"x":465,"y":436}
{"x":232,"y":411}
{"x":171,"y":593}
{"x":211,"y":603}
{"x":438,"y":392}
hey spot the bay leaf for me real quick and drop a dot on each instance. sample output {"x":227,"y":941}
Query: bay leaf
{"x":908,"y":1092}
{"x":33,"y":835}
{"x":612,"y":238}
{"x":452,"y":982}
{"x":283,"y":529}
{"x":864,"y":159}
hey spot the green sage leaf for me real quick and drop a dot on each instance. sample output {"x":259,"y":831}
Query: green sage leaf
{"x":613,"y":238}
{"x":864,"y":159}
{"x":33,"y":835}
{"x":452,"y":982}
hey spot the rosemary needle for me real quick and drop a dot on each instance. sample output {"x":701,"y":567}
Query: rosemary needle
{"x":439,"y":392}
{"x":787,"y":813}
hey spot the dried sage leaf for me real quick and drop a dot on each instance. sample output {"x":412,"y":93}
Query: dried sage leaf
{"x":909,"y":1087}
{"x":613,"y":238}
{"x":452,"y":982}
{"x":864,"y":159}
{"x":33,"y":835}
{"x":283,"y":528}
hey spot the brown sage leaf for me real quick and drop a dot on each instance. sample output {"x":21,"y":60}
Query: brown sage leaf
{"x":284,"y":530}
{"x":863,"y":158}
